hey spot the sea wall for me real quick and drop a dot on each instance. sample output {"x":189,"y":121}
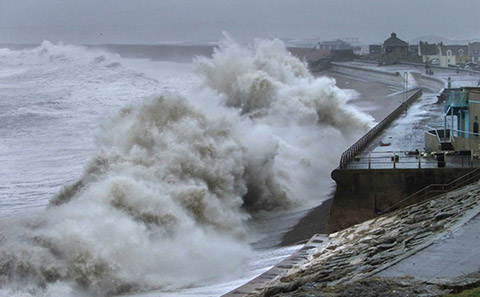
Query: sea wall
{"x":366,"y":139}
{"x":362,"y":194}
{"x":429,"y":82}
{"x":388,"y":77}
{"x":451,"y":69}
{"x":345,"y":264}
{"x":432,"y":83}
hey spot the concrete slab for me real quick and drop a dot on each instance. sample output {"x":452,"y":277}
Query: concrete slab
{"x":452,"y":256}
{"x":296,"y":259}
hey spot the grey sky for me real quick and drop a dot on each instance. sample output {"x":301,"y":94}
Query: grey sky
{"x":152,"y":21}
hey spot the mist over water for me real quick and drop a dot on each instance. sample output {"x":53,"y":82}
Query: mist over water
{"x":164,"y":202}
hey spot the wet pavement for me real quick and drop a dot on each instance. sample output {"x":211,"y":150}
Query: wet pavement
{"x":453,"y":255}
{"x":397,"y":145}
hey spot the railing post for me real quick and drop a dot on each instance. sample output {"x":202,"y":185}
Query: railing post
{"x":471,"y":158}
{"x":419,"y":160}
{"x":369,"y":161}
{"x":394,"y":165}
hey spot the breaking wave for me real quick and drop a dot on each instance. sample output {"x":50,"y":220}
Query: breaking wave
{"x":270,"y":81}
{"x":164,"y":203}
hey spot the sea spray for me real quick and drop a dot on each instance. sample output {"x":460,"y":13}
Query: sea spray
{"x":164,"y":203}
{"x":161,"y":209}
{"x":269,"y":80}
{"x":305,"y":119}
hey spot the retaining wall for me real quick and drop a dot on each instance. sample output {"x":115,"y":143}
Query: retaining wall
{"x":363,"y":193}
{"x":452,"y":69}
{"x":432,"y":83}
{"x":388,"y":77}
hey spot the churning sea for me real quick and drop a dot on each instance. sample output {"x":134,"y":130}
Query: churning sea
{"x":164,"y":175}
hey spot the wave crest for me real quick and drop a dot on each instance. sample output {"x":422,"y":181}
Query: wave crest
{"x":165,"y":201}
{"x":269,"y":80}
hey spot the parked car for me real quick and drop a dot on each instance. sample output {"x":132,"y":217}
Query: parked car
{"x":435,"y":62}
{"x":472,"y":66}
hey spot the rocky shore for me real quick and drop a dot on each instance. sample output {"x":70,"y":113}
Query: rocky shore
{"x":349,"y":262}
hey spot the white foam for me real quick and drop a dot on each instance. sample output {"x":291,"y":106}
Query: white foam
{"x":164,"y":202}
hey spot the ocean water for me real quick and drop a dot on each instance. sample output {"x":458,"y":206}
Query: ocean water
{"x":123,"y":176}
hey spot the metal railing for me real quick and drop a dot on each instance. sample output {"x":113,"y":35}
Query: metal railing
{"x":453,"y":69}
{"x":444,"y":136}
{"x":366,"y":139}
{"x":450,"y":136}
{"x":412,"y":159}
{"x":435,"y":190}
{"x":387,"y":159}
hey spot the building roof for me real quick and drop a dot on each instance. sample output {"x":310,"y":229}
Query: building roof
{"x":428,"y":49}
{"x":394,"y":41}
{"x":455,"y":49}
{"x":474,"y":49}
{"x":338,"y":42}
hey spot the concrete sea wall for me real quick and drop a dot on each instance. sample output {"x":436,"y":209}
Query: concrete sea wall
{"x":364,"y":193}
{"x":432,"y":83}
{"x":394,"y":78}
{"x":451,"y":69}
{"x":365,"y":250}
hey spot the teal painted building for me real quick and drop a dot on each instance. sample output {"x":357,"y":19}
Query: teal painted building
{"x":460,"y":131}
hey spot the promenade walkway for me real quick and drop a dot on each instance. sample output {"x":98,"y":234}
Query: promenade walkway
{"x":397,"y":145}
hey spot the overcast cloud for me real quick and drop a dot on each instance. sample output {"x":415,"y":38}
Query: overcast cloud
{"x":156,"y":21}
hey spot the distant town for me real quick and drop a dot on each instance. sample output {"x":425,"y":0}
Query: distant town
{"x":394,"y":50}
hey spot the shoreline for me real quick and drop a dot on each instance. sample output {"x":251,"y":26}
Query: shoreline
{"x":375,"y":99}
{"x":314,"y":222}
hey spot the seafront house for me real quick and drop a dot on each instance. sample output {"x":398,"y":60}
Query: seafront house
{"x":428,"y":52}
{"x":474,"y":52}
{"x":461,"y":119}
{"x":449,"y":55}
{"x":452,"y":55}
{"x":375,"y":49}
{"x":394,"y":50}
{"x":335,"y":45}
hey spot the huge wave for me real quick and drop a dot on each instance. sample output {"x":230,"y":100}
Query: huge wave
{"x":165,"y":201}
